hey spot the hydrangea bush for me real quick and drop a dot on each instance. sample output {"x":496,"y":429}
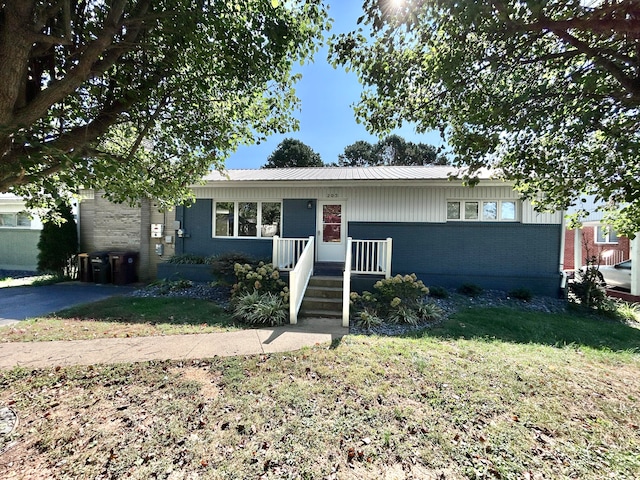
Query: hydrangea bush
{"x":263,"y":278}
{"x":399,"y":299}
{"x":259,"y":296}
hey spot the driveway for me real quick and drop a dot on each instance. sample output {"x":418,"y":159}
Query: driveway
{"x":18,"y":303}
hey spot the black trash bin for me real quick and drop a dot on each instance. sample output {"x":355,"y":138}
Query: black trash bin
{"x":100,"y":267}
{"x":123,"y":267}
{"x":84,"y":268}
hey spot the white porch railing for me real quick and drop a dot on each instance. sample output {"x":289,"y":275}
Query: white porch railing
{"x":299,"y":279}
{"x":346,"y":285}
{"x":371,"y":257}
{"x":287,"y":252}
{"x":612,"y":257}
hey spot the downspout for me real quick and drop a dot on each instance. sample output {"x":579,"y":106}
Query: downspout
{"x":563,"y":275}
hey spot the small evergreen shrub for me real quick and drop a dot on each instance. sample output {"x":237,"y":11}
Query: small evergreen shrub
{"x":470,"y":289}
{"x":186,"y":259}
{"x":438,"y":292}
{"x":522,"y":294}
{"x":167,"y":285}
{"x":588,"y":288}
{"x":58,"y":245}
{"x":260,"y":308}
{"x":223,"y":265}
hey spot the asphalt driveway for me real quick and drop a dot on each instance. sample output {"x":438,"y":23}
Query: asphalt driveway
{"x":18,"y":303}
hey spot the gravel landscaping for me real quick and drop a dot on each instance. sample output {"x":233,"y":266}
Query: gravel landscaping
{"x":450,"y":305}
{"x":456,"y":302}
{"x":203,"y":291}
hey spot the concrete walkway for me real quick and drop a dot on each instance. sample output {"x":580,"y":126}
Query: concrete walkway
{"x":174,"y":347}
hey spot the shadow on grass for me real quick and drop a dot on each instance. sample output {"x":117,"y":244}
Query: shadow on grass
{"x":153,"y":310}
{"x":515,"y":326}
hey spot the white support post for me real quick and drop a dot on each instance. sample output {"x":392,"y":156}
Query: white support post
{"x":275,"y":261}
{"x":635,"y":265}
{"x":387,"y":267}
{"x":577,"y":249}
{"x":346,"y":284}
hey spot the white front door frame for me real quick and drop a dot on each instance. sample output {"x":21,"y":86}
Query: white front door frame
{"x":331,"y":234}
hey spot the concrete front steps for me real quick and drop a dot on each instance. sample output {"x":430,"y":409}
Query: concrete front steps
{"x":323,"y":298}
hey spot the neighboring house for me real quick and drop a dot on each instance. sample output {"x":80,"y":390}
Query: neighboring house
{"x":446,"y":233}
{"x":594,"y":239}
{"x":19,"y":235}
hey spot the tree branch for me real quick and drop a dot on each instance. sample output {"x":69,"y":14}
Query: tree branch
{"x":629,"y":84}
{"x":39,"y":106}
{"x":145,"y":130}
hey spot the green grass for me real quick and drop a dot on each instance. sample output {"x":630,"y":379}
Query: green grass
{"x":516,"y":326}
{"x":36,"y":280}
{"x":124,"y":317}
{"x":491,"y":393}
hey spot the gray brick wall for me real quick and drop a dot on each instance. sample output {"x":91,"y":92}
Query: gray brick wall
{"x":108,"y":226}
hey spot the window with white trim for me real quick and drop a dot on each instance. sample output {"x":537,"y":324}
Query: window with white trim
{"x":246,"y":219}
{"x":482,"y":210}
{"x":15,"y":220}
{"x":605,"y":234}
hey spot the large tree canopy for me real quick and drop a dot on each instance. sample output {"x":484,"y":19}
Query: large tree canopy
{"x":293,"y":153}
{"x":141,"y":97}
{"x":547,"y":91}
{"x":391,"y":150}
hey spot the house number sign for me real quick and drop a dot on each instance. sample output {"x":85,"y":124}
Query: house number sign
{"x":332,"y":195}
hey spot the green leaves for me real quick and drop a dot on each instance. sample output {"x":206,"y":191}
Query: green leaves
{"x":169,"y":95}
{"x":543,"y":91}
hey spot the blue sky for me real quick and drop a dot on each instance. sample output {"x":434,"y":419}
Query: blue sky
{"x":327,"y":121}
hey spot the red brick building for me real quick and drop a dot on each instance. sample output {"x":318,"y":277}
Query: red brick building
{"x":596,"y":240}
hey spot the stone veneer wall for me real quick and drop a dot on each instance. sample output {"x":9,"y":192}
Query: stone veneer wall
{"x":108,"y":226}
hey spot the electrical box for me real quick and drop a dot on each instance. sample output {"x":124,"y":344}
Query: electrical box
{"x":159,"y":249}
{"x":168,"y":239}
{"x":157,"y":229}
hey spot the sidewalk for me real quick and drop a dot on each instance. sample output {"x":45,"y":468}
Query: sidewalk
{"x":173,"y":347}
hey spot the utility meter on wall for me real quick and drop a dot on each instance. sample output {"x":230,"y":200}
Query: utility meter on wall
{"x":157,"y":229}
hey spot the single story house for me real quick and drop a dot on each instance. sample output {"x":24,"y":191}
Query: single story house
{"x":446,"y":233}
{"x":19,"y":235}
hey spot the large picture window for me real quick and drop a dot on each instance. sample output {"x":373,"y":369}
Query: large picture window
{"x":487,"y":210}
{"x":246,"y":219}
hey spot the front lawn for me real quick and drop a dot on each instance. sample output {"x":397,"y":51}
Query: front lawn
{"x":490,"y":394}
{"x":124,"y":317}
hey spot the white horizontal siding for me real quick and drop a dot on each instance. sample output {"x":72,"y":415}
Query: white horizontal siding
{"x":401,"y":203}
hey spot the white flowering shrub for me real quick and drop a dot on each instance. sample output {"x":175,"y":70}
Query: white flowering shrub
{"x":259,"y":296}
{"x":263,"y":278}
{"x":398,"y":299}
